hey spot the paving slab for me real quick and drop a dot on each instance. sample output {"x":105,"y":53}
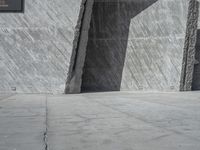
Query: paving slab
{"x":96,"y":121}
{"x":124,"y":121}
{"x":22,"y":122}
{"x":5,"y":95}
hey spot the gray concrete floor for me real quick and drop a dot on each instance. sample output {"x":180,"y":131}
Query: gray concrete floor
{"x":101,"y":121}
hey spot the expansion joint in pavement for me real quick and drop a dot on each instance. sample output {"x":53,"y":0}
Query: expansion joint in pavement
{"x":45,"y":136}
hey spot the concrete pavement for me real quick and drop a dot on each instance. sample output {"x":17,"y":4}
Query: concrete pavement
{"x":108,"y":121}
{"x":22,"y":122}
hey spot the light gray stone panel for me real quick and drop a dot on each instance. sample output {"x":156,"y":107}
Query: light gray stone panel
{"x":155,"y":47}
{"x":36,"y":46}
{"x":150,"y":68}
{"x":124,"y":121}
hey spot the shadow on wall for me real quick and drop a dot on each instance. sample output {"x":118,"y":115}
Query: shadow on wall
{"x":107,"y":44}
{"x":196,"y":74}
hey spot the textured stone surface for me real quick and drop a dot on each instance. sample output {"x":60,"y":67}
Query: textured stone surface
{"x":103,"y":121}
{"x":189,"y":47}
{"x":135,"y":45}
{"x":196,"y":75}
{"x":155,"y":47}
{"x":107,"y":43}
{"x":36,"y":46}
{"x":4,"y":95}
{"x":74,"y":79}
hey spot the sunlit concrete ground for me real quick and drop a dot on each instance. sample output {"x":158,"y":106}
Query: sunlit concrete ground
{"x":101,"y":121}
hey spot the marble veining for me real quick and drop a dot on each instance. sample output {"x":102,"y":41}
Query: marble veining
{"x":36,"y":46}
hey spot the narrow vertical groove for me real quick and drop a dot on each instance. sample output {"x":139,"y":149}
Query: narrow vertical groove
{"x":75,"y":46}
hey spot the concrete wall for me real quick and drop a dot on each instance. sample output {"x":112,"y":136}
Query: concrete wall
{"x":135,"y":45}
{"x":35,"y":46}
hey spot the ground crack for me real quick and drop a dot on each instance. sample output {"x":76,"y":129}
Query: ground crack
{"x":45,"y":135}
{"x":45,"y":140}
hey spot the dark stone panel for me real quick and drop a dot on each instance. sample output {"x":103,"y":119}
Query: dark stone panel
{"x":108,"y":38}
{"x":11,"y":5}
{"x":103,"y":66}
{"x":196,"y":75}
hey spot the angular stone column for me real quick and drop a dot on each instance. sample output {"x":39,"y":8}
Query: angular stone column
{"x":189,"y":47}
{"x":74,"y":80}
